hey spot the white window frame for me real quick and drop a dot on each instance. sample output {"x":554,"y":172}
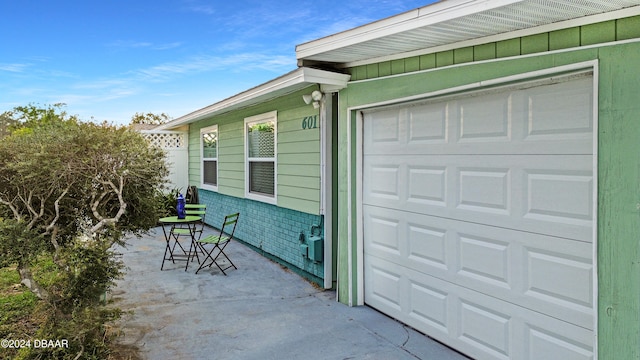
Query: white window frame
{"x":203,"y":185}
{"x":251,"y":121}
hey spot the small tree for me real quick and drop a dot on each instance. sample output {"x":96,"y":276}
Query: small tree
{"x":150,"y":118}
{"x":6,"y":122}
{"x":69,"y":191}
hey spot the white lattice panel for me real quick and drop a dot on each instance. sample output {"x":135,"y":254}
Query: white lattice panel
{"x":166,"y":140}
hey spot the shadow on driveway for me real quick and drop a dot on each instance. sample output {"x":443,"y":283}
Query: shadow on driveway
{"x":259,"y":311}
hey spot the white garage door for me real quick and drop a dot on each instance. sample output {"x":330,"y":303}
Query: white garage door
{"x":478,"y":218}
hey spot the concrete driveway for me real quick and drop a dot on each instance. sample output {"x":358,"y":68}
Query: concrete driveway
{"x":259,"y":311}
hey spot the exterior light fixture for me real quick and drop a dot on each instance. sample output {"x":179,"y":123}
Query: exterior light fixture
{"x":315,"y":97}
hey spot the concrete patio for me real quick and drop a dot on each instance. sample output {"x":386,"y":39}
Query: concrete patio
{"x":259,"y":311}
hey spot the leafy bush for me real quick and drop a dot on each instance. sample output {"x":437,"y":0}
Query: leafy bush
{"x":169,"y":202}
{"x":69,"y":191}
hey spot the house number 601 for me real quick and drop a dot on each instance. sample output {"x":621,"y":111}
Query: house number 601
{"x":310,"y":122}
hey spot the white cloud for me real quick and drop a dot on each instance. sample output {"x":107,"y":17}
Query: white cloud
{"x":204,"y":63}
{"x":202,"y":9}
{"x":15,"y":68}
{"x":131,"y":44}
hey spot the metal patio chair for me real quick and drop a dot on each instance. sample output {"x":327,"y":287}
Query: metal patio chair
{"x":217,"y":244}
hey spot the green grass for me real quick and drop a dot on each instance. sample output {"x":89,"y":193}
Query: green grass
{"x":17,"y":309}
{"x":22,"y":313}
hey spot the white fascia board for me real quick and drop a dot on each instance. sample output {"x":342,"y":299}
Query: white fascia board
{"x":424,"y":16}
{"x":290,"y":82}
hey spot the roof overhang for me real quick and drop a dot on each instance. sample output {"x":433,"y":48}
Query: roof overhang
{"x":450,"y":24}
{"x":291,"y":82}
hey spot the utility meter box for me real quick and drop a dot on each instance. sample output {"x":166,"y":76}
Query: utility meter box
{"x":315,"y":250}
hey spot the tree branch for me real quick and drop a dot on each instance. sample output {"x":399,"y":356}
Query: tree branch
{"x":56,"y":206}
{"x":14,"y":210}
{"x":123,"y":206}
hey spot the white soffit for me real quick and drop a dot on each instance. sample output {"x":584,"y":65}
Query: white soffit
{"x":285,"y":84}
{"x":453,"y":22}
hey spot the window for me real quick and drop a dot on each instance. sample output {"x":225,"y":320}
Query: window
{"x":209,"y":156}
{"x":260,"y":150}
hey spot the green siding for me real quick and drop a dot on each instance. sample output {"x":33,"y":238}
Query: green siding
{"x":563,"y":39}
{"x":397,"y":66}
{"x":298,"y":152}
{"x":463,"y":55}
{"x":618,"y":222}
{"x":372,"y":70}
{"x":444,"y":58}
{"x":508,"y":48}
{"x":384,"y":68}
{"x":484,"y":52}
{"x":534,"y":43}
{"x":598,"y":33}
{"x":618,"y":197}
{"x":427,"y":61}
{"x":412,"y":64}
{"x":628,"y":28}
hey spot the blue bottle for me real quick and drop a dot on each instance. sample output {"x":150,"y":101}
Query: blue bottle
{"x":180,"y":208}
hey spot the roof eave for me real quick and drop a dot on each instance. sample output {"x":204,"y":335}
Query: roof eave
{"x":288,"y":83}
{"x":424,"y":16}
{"x":627,"y":12}
{"x":452,"y":24}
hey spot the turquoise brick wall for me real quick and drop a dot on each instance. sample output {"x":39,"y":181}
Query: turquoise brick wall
{"x":270,"y":229}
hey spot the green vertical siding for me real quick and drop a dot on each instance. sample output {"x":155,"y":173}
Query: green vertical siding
{"x":534,"y":43}
{"x":444,"y":58}
{"x":427,"y":61}
{"x":397,"y":66}
{"x":618,"y":221}
{"x":619,"y":199}
{"x":628,"y":28}
{"x":463,"y":55}
{"x":563,"y":39}
{"x":484,"y":52}
{"x":298,"y":152}
{"x":598,"y":33}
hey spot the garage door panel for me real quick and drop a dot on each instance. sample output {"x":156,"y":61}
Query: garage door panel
{"x":559,"y":196}
{"x":552,"y":195}
{"x":477,"y":216}
{"x":427,"y":245}
{"x":427,"y":125}
{"x":545,"y":146}
{"x":384,"y":129}
{"x":484,"y":259}
{"x":385,"y":287}
{"x":485,"y":328}
{"x":484,"y":190}
{"x":552,"y":119}
{"x":546,"y":344}
{"x":428,"y":304}
{"x":427,"y":185}
{"x":387,"y":234}
{"x":475,"y":323}
{"x":560,"y":111}
{"x":544,"y":273}
{"x":559,"y":278}
{"x":484,"y":119}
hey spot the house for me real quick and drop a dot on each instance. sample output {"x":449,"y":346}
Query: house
{"x":259,"y":153}
{"x":471,"y":167}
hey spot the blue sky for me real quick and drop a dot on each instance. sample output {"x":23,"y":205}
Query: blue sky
{"x":109,"y":59}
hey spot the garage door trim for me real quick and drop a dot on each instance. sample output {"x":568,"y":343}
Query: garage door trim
{"x":355,"y":154}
